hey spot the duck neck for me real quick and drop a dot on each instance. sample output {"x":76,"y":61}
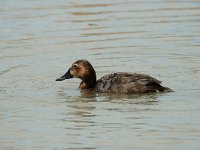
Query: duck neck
{"x":89,"y":81}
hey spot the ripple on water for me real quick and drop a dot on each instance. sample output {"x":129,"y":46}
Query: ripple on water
{"x":40,"y":40}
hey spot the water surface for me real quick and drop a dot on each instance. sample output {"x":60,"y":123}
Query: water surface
{"x":40,"y":39}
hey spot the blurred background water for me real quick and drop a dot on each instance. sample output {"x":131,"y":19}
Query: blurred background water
{"x":40,"y":39}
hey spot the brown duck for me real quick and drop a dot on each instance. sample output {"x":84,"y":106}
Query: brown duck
{"x":120,"y":82}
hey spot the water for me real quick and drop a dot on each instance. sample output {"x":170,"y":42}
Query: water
{"x":40,"y":39}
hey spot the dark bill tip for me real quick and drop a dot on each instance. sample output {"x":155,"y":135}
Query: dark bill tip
{"x":60,"y":79}
{"x":67,"y":75}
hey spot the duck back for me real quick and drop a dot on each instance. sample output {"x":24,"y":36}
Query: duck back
{"x":126,"y":83}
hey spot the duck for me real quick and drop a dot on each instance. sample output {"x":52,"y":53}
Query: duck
{"x":119,"y":82}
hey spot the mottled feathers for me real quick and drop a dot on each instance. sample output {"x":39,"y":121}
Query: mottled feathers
{"x":122,"y":82}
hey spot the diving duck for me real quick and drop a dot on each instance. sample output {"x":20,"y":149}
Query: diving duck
{"x":119,"y":82}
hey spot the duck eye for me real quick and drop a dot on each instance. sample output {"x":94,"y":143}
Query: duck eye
{"x":75,"y":66}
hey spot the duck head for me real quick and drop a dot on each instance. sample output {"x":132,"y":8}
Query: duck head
{"x":83,"y":70}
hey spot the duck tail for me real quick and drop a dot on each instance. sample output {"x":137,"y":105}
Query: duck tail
{"x":166,"y":89}
{"x":158,"y":88}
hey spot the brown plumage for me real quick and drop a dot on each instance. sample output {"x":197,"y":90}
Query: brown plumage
{"x":120,"y":82}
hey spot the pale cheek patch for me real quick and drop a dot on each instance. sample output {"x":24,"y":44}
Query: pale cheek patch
{"x":77,"y":73}
{"x":82,"y":72}
{"x":73,"y":74}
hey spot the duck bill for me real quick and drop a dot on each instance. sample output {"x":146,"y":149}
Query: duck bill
{"x":67,"y":75}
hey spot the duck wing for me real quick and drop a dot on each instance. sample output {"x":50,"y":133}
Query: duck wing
{"x":122,"y":82}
